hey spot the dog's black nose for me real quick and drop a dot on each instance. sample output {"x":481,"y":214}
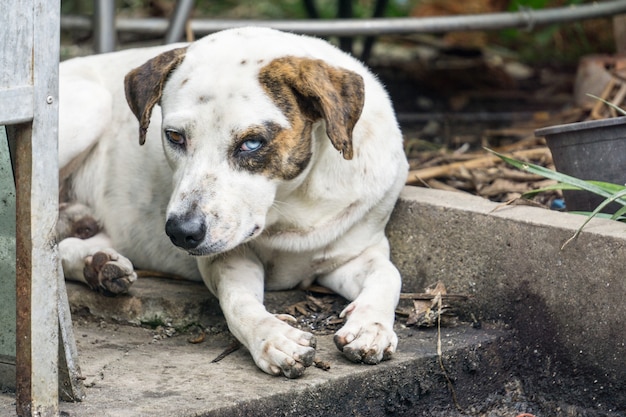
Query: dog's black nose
{"x":186,"y":232}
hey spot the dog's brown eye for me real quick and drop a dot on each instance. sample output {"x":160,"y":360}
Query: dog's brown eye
{"x":175,"y":137}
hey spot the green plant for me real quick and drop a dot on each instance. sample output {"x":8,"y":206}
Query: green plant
{"x":563,"y":43}
{"x":154,"y":322}
{"x":608,"y":103}
{"x":611,"y":192}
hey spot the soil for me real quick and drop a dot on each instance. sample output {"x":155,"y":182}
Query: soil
{"x":533,"y":381}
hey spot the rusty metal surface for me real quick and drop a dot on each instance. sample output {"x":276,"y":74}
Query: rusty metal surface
{"x":71,"y":387}
{"x":23,"y":162}
{"x":34,"y":50}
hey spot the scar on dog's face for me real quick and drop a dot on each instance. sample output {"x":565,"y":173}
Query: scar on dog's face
{"x":233,"y":138}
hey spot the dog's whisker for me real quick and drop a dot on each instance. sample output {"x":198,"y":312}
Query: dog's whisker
{"x":284,"y":209}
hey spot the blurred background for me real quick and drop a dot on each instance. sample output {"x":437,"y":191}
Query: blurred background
{"x":454,"y":92}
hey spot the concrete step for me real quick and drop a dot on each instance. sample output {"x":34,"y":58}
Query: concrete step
{"x":141,"y":371}
{"x":130,"y":373}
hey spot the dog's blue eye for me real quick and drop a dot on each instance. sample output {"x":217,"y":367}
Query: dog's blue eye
{"x":175,"y":137}
{"x":251,"y":145}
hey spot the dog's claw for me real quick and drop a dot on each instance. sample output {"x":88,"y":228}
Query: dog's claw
{"x":285,"y":350}
{"x":295,"y":367}
{"x":373,"y":344}
{"x":287,"y":318}
{"x":108,"y":272}
{"x":369,"y":355}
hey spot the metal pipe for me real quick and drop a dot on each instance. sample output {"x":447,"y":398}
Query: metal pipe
{"x":526,"y":19}
{"x":104,"y":24}
{"x":176,"y":28}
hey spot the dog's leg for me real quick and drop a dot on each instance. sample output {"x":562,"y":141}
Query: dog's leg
{"x":373,"y":284}
{"x":276,"y":347}
{"x":93,"y":262}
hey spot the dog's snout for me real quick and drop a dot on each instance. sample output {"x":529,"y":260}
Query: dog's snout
{"x":186,"y":232}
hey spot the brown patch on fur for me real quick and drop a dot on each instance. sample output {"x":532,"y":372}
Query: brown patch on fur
{"x":144,"y":86}
{"x":85,"y":228}
{"x":314,"y":89}
{"x":76,"y":220}
{"x":285,"y":152}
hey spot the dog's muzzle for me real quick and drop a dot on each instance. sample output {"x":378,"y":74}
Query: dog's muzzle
{"x":186,"y":232}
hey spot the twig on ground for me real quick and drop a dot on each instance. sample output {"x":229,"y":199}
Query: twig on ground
{"x":448,"y":170}
{"x":440,"y":356}
{"x":233,"y":347}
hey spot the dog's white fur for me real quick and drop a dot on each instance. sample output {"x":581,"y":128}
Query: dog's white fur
{"x":265,"y":229}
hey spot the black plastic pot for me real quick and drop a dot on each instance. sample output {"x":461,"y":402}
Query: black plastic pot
{"x":592,"y":150}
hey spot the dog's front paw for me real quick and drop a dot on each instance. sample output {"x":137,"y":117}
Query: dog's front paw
{"x":283,"y":349}
{"x":109,"y":272}
{"x":363,"y":339}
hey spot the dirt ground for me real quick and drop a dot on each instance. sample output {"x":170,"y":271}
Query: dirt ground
{"x":533,"y":381}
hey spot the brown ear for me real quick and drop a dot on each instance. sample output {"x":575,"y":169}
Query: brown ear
{"x":144,"y":86}
{"x":323,"y":91}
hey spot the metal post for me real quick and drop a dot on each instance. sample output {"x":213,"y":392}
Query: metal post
{"x":29,"y":109}
{"x":34,"y":150}
{"x":104,"y":25}
{"x":345,"y":12}
{"x":176,"y":28}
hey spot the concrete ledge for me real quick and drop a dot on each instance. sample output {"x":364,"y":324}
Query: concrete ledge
{"x":569,"y":303}
{"x":150,"y":301}
{"x":128,"y":372}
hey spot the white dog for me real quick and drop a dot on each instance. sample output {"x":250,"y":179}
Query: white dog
{"x":272,"y":161}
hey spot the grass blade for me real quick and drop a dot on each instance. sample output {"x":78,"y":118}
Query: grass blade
{"x":594,"y":213}
{"x":596,"y":187}
{"x":608,"y":103}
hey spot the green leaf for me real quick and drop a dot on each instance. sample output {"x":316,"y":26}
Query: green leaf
{"x":608,"y":103}
{"x":594,"y":214}
{"x":611,"y":192}
{"x":608,"y":186}
{"x":619,"y":214}
{"x":554,"y":187}
{"x":596,"y":187}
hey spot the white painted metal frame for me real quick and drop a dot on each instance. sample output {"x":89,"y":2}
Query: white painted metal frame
{"x":29,"y":59}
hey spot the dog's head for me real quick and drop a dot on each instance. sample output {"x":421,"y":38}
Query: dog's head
{"x":237,"y":125}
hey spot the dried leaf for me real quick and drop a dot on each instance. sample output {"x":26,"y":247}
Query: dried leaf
{"x":430,"y":306}
{"x":323,"y":365}
{"x":197,"y":337}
